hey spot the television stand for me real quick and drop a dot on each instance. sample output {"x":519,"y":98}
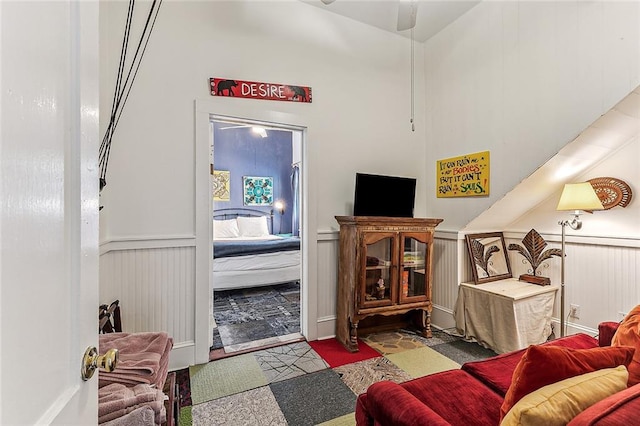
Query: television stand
{"x":385,"y":270}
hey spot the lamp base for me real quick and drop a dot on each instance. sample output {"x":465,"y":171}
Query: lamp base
{"x":535,"y":279}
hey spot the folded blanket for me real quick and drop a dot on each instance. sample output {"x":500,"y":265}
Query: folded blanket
{"x":139,"y":352}
{"x":142,"y":416}
{"x":160,"y":413}
{"x":115,"y":397}
{"x":128,"y":379}
{"x":107,"y":379}
{"x":143,"y":358}
{"x":163,"y":368}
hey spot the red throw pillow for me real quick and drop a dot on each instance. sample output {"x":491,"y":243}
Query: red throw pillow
{"x":543,"y":365}
{"x":628,"y":334}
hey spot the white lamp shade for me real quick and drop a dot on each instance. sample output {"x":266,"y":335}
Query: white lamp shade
{"x":579,"y":196}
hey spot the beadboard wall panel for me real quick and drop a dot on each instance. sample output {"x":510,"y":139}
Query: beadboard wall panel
{"x":601,"y":278}
{"x":155,"y":286}
{"x":445,"y":273}
{"x":328,"y":255}
{"x":445,"y":280}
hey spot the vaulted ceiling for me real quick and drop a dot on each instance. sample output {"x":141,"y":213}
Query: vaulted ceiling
{"x":431,"y":17}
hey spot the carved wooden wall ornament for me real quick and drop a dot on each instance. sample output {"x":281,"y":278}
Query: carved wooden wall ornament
{"x":611,"y":191}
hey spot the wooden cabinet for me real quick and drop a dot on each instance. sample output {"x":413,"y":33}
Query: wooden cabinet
{"x":385,"y":270}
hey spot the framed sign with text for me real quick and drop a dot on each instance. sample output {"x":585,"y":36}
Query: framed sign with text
{"x":259,"y":90}
{"x":464,"y":176}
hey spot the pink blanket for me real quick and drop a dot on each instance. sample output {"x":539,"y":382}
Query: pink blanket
{"x":133,"y":377}
{"x":142,"y":416}
{"x":143,"y":358}
{"x":157,"y":404}
{"x":116,"y":397}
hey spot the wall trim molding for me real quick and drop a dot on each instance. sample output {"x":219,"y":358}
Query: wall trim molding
{"x":328,"y":235}
{"x":444,"y":234}
{"x":146,"y":242}
{"x":581,"y":239}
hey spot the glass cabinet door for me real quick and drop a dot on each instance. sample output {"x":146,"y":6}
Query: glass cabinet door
{"x":378,"y":254}
{"x":413,"y":266}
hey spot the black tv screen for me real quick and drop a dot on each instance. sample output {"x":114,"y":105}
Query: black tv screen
{"x":378,"y":195}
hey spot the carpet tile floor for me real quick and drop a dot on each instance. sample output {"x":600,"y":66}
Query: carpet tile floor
{"x":247,"y":315}
{"x":360,"y":375}
{"x":293,"y":385}
{"x":289,"y":361}
{"x":289,"y":382}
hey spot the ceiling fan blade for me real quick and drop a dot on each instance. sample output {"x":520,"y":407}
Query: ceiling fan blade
{"x":407,"y":12}
{"x":328,"y":1}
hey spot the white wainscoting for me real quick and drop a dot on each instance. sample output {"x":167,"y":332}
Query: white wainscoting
{"x":446,"y":276}
{"x":448,"y":271}
{"x":154,"y":279}
{"x":328,"y":258}
{"x":602,"y":276}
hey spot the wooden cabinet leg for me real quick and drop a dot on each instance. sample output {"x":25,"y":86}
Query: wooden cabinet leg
{"x":425,"y":322}
{"x":353,"y":336}
{"x":427,"y":314}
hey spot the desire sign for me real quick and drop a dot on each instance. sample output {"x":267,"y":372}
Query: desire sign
{"x":464,"y":176}
{"x":259,"y":90}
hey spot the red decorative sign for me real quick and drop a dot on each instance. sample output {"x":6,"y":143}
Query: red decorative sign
{"x":259,"y":90}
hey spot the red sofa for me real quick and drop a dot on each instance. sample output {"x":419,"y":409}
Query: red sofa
{"x":474,"y":394}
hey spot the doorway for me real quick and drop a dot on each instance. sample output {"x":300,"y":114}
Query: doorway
{"x":257,"y":262}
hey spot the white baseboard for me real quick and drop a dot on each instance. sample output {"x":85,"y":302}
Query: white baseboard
{"x":182,"y":356}
{"x":442,"y":318}
{"x":326,"y":327}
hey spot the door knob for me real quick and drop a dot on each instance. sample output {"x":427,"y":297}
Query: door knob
{"x":92,"y":361}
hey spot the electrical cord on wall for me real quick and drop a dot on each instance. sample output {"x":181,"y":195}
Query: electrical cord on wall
{"x":122,"y":90}
{"x":413,"y":126}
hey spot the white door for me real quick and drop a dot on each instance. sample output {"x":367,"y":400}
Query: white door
{"x":48,"y":210}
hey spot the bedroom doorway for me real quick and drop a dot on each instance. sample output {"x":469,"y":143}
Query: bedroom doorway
{"x":256,"y":198}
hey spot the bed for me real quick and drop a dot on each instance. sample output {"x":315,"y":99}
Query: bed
{"x":247,"y":254}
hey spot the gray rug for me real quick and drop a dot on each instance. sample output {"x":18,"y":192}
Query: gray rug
{"x":252,"y":314}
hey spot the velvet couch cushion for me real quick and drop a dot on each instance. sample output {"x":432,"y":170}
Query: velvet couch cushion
{"x":621,"y":408}
{"x":558,"y":403}
{"x":404,"y":410}
{"x":543,"y":365}
{"x":457,"y":397}
{"x":628,"y":334}
{"x":496,"y":372}
{"x":606,"y":330}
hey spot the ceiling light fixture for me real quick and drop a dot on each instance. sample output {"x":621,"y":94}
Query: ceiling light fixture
{"x":259,"y":131}
{"x":407,"y":13}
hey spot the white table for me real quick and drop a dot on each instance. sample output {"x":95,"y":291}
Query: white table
{"x":505,"y":315}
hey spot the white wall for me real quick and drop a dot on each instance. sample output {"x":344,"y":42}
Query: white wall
{"x":522,"y":79}
{"x":617,"y":222}
{"x":358,"y":121}
{"x":359,"y":115}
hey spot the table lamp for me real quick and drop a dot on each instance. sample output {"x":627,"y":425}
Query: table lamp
{"x":576,"y":197}
{"x":279,"y":206}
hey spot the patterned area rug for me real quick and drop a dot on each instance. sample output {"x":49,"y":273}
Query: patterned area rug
{"x":294,"y":385}
{"x":265,"y":315}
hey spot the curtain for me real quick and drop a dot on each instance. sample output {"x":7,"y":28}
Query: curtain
{"x":295,"y":210}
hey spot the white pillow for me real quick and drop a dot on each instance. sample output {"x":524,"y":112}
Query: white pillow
{"x":253,"y":226}
{"x":225,"y":229}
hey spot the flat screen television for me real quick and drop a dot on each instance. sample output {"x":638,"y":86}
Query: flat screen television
{"x":378,"y":195}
